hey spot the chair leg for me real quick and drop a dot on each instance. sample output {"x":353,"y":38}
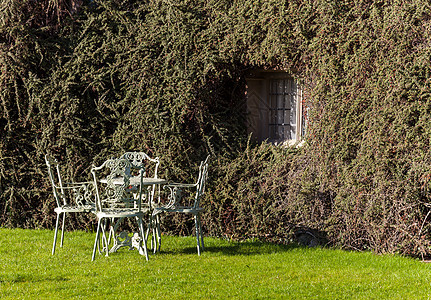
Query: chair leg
{"x":159,"y":235}
{"x":55,"y":233}
{"x":103,"y":228}
{"x":106,"y":241}
{"x":154,"y":239}
{"x":200,"y":232}
{"x":110,"y":225}
{"x":150,"y":229}
{"x":197,"y":235}
{"x":153,"y":229}
{"x":97,"y":239}
{"x":62,"y":229}
{"x":143,"y":237}
{"x":156,"y":233}
{"x":147,"y":232}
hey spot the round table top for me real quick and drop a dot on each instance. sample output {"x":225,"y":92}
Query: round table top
{"x":136,"y":179}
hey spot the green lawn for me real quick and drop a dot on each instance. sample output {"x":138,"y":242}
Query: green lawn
{"x":226,"y":270}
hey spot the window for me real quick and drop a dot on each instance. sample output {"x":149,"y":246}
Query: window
{"x":275,"y":108}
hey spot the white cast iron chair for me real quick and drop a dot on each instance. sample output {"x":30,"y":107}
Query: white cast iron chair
{"x":150,"y":167}
{"x":77,"y":197}
{"x":175,"y":199}
{"x":119,"y":197}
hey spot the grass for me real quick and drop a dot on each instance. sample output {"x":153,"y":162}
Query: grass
{"x":226,"y":270}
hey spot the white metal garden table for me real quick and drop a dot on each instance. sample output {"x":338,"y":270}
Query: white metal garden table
{"x":123,"y":239}
{"x":135,"y":181}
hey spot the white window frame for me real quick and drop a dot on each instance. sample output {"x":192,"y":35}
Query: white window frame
{"x":261,"y":110}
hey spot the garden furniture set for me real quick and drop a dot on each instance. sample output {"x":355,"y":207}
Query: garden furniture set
{"x":125,"y":188}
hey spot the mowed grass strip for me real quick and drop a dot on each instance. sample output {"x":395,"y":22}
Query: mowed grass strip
{"x":226,"y":270}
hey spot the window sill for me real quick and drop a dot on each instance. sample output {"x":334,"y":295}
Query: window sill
{"x":291,"y":143}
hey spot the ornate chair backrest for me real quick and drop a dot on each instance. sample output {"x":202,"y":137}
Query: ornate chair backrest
{"x":150,"y":167}
{"x":116,"y":191}
{"x":200,"y":184}
{"x":138,"y":159}
{"x":78,"y":194}
{"x":55,"y":179}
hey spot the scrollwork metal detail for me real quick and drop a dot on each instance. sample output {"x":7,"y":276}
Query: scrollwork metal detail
{"x":121,"y":240}
{"x":84,"y":194}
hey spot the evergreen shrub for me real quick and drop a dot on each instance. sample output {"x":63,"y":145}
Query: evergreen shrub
{"x":87,"y":80}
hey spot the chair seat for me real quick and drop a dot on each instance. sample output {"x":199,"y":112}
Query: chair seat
{"x":73,"y":208}
{"x":69,"y":196}
{"x":121,"y":213}
{"x":181,"y":209}
{"x":175,"y":196}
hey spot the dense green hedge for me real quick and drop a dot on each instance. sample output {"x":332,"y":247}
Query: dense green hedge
{"x":85,"y":80}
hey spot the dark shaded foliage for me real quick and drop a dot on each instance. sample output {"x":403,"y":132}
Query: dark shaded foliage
{"x":86,"y":80}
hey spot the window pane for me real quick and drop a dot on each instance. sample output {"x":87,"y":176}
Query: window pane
{"x":280,"y":101}
{"x":283,"y":110}
{"x":280,"y":133}
{"x":292,"y":116}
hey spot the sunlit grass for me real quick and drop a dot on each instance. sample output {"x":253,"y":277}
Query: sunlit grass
{"x":226,"y":270}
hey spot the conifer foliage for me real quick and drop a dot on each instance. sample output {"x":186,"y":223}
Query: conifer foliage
{"x":86,"y":80}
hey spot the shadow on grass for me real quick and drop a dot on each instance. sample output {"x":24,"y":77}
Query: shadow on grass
{"x":240,"y":248}
{"x":21,"y":278}
{"x":303,"y":237}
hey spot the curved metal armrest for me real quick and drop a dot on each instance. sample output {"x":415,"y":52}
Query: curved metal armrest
{"x":179,"y":185}
{"x":175,"y":192}
{"x":74,"y":184}
{"x":83,"y":192}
